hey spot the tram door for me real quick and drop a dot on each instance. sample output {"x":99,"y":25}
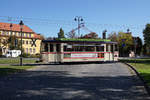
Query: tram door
{"x":58,"y":53}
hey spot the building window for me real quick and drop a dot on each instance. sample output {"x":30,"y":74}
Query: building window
{"x":26,"y":50}
{"x":30,"y":42}
{"x":22,"y":41}
{"x":26,"y":42}
{"x":19,"y":34}
{"x":33,"y":50}
{"x":26,"y":35}
{"x":22,"y":34}
{"x":7,"y":33}
{"x":29,"y":34}
{"x":3,"y":33}
{"x":30,"y":50}
{"x":10,"y":32}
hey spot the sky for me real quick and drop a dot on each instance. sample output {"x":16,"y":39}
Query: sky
{"x":48,"y":16}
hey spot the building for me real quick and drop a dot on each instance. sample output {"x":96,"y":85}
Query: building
{"x":31,"y":41}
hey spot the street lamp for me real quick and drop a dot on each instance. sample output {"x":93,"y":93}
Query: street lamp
{"x":78,"y":19}
{"x":135,"y":44}
{"x":11,"y":34}
{"x":21,"y":28}
{"x":11,"y":28}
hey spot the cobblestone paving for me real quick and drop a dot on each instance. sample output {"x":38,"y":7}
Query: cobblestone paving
{"x":108,"y":81}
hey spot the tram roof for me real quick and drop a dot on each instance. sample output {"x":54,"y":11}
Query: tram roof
{"x":66,"y":40}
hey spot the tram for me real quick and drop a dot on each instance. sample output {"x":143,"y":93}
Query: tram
{"x":78,"y":50}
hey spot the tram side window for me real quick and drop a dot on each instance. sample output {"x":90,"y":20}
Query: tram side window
{"x":116,"y":48}
{"x":65,"y":48}
{"x":68,"y":48}
{"x":58,"y":47}
{"x":90,"y":48}
{"x":46,"y":47}
{"x":111,"y":48}
{"x":99,"y":48}
{"x":51,"y":48}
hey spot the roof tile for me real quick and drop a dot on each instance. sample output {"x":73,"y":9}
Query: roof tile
{"x":15,"y":27}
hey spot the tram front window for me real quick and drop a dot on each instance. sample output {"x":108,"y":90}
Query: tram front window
{"x":51,"y":48}
{"x":46,"y":47}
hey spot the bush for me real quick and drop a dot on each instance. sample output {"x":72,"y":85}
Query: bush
{"x":26,"y":55}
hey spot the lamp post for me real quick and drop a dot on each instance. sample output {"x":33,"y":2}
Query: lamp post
{"x":135,"y":44}
{"x":11,"y":28}
{"x":11,"y":34}
{"x":21,"y":28}
{"x":78,"y":19}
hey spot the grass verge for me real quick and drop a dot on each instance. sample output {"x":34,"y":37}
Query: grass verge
{"x":16,"y":61}
{"x":142,"y":66}
{"x":5,"y":70}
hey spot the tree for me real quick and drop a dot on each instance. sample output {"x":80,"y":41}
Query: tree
{"x":3,"y":45}
{"x":13,"y":43}
{"x":71,"y":34}
{"x":137,"y":45}
{"x":125,"y":42}
{"x":61,"y":33}
{"x":113,"y":37}
{"x":91,"y":35}
{"x":146,"y":34}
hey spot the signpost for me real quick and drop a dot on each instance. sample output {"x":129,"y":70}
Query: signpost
{"x":123,"y":45}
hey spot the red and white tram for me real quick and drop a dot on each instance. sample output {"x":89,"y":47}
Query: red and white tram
{"x":78,"y":50}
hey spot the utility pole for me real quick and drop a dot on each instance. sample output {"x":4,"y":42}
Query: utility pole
{"x":135,"y":43}
{"x":79,"y":19}
{"x":21,"y":28}
{"x":11,"y":35}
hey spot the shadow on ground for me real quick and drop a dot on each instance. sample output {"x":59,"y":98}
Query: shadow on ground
{"x":71,"y":63}
{"x":59,"y":85}
{"x":6,"y":71}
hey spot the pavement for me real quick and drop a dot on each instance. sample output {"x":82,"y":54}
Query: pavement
{"x":106,"y":81}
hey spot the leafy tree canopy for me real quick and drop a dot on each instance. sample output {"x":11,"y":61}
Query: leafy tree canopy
{"x":146,"y":34}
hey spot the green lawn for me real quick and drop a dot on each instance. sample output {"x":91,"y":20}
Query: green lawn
{"x":16,"y":61}
{"x":142,"y":66}
{"x":8,"y":69}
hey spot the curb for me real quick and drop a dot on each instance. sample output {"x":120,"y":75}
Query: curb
{"x":141,"y":78}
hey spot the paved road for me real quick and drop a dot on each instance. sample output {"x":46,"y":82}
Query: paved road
{"x":110,"y":81}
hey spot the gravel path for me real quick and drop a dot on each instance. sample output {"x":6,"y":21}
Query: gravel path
{"x":109,"y":81}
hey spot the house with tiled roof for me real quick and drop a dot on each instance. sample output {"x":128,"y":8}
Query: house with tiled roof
{"x":31,"y":40}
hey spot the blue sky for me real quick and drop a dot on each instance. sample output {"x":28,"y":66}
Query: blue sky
{"x":47,"y":16}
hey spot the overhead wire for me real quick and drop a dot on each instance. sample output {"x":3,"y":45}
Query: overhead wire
{"x":69,"y":24}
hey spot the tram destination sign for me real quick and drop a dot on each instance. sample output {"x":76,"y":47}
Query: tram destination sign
{"x":82,"y":55}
